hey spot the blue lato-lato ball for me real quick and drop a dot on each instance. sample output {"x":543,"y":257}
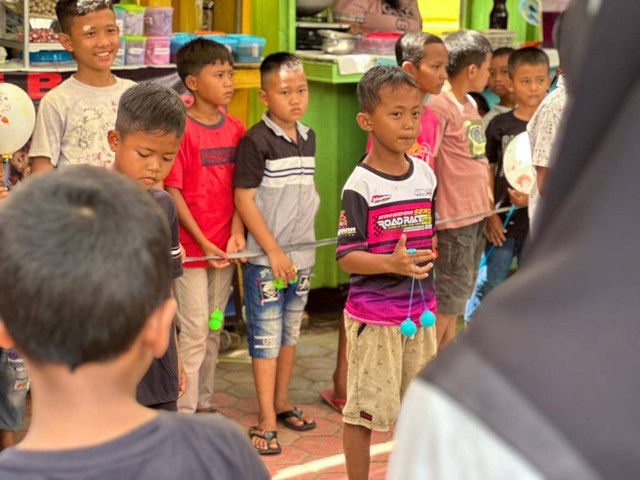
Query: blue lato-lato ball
{"x":408,"y":328}
{"x":427,"y":319}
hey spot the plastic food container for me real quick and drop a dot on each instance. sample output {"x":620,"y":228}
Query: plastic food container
{"x":249,"y":48}
{"x":134,"y":50}
{"x":157,"y":51}
{"x":133,"y":20}
{"x":226,"y":40}
{"x":118,"y":10}
{"x":158,"y":21}
{"x":378,"y":43}
{"x":178,"y":40}
{"x":120,"y":57}
{"x":50,"y":56}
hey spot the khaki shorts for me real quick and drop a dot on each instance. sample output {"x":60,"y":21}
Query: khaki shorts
{"x":381,"y":364}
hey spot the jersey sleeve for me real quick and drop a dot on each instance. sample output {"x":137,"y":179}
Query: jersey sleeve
{"x":352,"y":224}
{"x":250,"y":163}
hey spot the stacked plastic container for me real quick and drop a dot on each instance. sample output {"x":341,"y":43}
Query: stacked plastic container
{"x":146,"y":34}
{"x":158,"y":28}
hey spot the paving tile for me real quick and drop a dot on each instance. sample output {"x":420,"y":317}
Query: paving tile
{"x":314,"y":374}
{"x":312,"y":350}
{"x":320,"y":446}
{"x":317,"y":362}
{"x":243,"y":390}
{"x":239,"y":376}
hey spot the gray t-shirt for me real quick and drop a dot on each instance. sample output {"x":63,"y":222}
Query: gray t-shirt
{"x":172,"y":446}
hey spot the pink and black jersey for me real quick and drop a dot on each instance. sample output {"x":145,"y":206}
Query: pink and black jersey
{"x":376,"y":209}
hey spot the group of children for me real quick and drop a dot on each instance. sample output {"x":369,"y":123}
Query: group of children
{"x":218,"y":179}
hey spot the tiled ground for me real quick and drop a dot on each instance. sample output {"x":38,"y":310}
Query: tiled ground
{"x":316,"y":454}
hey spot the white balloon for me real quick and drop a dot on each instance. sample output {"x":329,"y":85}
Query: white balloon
{"x":17,"y":118}
{"x":517,"y":163}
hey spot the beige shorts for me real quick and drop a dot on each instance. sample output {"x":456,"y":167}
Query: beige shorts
{"x":381,"y":364}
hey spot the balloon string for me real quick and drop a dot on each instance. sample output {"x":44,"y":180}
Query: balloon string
{"x":485,"y":259}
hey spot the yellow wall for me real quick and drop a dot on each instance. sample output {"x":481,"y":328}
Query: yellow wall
{"x":440,"y":15}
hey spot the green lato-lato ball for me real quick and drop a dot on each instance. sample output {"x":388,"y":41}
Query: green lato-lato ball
{"x":215,"y":320}
{"x":278,"y":283}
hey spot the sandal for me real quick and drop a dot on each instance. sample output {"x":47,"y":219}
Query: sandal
{"x":283,"y":417}
{"x":336,"y":403}
{"x":267,"y":435}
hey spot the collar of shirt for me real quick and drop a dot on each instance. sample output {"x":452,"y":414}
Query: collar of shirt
{"x":303,"y":130}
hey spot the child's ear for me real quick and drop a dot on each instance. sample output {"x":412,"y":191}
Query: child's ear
{"x":65,"y":41}
{"x":262,"y":95}
{"x":6,"y":341}
{"x":471,"y":71}
{"x":409,"y":67}
{"x":114,"y":140}
{"x":157,"y":330}
{"x":509,"y":86}
{"x":364,"y":121}
{"x":190,"y":82}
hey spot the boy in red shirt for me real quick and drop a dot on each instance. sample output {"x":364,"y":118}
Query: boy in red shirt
{"x":200,"y":184}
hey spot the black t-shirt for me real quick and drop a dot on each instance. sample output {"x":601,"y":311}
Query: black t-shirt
{"x":172,"y":446}
{"x":160,"y":383}
{"x":500,"y":131}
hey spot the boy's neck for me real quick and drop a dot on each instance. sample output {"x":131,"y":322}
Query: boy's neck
{"x":524,"y":113}
{"x":386,"y":161}
{"x":206,"y":113}
{"x":291,"y":129}
{"x":506,"y":102}
{"x":95,"y":78}
{"x":459,"y":88}
{"x":93,"y":405}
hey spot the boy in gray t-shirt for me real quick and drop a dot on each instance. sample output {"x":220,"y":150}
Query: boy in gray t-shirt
{"x":85,"y":276}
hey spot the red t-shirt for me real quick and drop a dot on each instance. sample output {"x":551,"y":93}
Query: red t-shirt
{"x":203,"y":171}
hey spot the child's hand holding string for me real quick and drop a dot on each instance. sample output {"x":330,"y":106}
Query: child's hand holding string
{"x":403,"y":262}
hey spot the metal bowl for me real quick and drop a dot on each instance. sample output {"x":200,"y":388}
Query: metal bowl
{"x":307,"y":8}
{"x":339,"y":46}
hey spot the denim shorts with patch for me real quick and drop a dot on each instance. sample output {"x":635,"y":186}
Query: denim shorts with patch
{"x":273,"y":316}
{"x":14,"y":385}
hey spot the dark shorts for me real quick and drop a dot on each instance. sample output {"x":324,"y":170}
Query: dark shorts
{"x":14,"y":385}
{"x":456,"y":268}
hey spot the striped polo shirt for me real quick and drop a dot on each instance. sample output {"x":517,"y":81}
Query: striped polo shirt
{"x":281,"y":171}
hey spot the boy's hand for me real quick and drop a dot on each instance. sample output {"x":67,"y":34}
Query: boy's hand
{"x":208,"y":249}
{"x":236,"y":243}
{"x":518,"y":198}
{"x":281,"y":266}
{"x":405,"y":263}
{"x":494,"y":231}
{"x":182,"y":378}
{"x":4,"y":193}
{"x":183,"y":253}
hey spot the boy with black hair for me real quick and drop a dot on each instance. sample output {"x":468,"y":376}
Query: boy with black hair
{"x":464,"y":177}
{"x":499,"y":84}
{"x":529,"y":80}
{"x":200,"y":183}
{"x":149,"y":129}
{"x":73,"y":118}
{"x":384,"y":242}
{"x":276,"y":196}
{"x":88,"y":340}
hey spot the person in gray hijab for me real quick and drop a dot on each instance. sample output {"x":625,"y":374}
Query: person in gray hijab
{"x":545,"y":384}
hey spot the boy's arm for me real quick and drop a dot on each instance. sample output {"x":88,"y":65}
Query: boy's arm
{"x":399,"y":262}
{"x":281,"y":264}
{"x":493,"y":229}
{"x":47,"y":136}
{"x":191,"y":226}
{"x":237,"y":241}
{"x":40,"y":164}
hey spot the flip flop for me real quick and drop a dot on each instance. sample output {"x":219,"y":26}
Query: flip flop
{"x":336,"y":403}
{"x":267,"y":435}
{"x":297,"y":413}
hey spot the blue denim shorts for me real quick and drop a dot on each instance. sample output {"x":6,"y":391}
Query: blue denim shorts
{"x":14,"y":385}
{"x":273,"y":316}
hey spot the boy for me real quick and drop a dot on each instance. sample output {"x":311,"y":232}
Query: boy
{"x":277,"y":199}
{"x":425,"y":58}
{"x":148,"y":132}
{"x":529,"y":81}
{"x":499,"y":81}
{"x":200,"y":184}
{"x":386,"y":209}
{"x":88,"y":340}
{"x":464,"y":180}
{"x":73,"y":118}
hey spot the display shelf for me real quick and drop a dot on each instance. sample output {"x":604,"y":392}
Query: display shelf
{"x":33,"y":47}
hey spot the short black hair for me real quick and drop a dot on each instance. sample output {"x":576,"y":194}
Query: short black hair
{"x":67,"y":9}
{"x":193,"y":56}
{"x":481,"y":103}
{"x":375,"y":79}
{"x":84,"y":260}
{"x":276,"y":62}
{"x":466,"y":47}
{"x":527,"y":56}
{"x":410,"y":46}
{"x":150,"y":107}
{"x":501,"y":51}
